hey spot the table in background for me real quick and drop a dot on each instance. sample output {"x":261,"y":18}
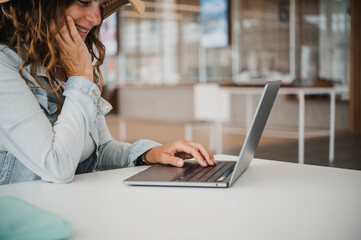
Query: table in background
{"x":271,"y":200}
{"x":221,"y":102}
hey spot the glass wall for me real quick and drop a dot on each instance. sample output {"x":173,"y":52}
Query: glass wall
{"x":301,"y":42}
{"x":264,"y":40}
{"x":334,"y":27}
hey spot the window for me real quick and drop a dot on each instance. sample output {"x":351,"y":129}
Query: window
{"x":301,"y":42}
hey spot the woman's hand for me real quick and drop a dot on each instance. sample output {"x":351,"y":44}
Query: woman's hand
{"x":174,"y":153}
{"x":74,"y":54}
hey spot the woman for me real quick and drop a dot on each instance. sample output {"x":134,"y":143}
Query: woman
{"x":52,"y":122}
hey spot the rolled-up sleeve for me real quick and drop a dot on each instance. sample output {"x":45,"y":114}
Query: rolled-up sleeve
{"x":116,"y":154}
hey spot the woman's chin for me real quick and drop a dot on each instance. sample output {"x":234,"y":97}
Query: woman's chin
{"x":82,"y":35}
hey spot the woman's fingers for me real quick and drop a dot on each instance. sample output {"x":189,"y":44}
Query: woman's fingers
{"x":183,"y":146}
{"x":175,"y":152}
{"x":69,"y":33}
{"x":196,"y":150}
{"x":175,"y":161}
{"x":74,"y":54}
{"x":205,"y":152}
{"x":183,"y":155}
{"x":65,"y":34}
{"x":73,"y":31}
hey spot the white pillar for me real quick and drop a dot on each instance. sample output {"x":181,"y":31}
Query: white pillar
{"x":332,"y":125}
{"x":301,"y":127}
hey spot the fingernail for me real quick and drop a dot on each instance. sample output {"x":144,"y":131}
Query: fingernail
{"x":180,"y":163}
{"x":68,"y":18}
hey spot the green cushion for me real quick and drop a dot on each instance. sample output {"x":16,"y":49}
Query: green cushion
{"x":21,"y":220}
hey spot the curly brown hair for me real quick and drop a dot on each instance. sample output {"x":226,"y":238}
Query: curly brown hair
{"x":25,"y":26}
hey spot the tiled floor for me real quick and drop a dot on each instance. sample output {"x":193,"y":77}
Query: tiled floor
{"x":347,"y":146}
{"x":347,"y":151}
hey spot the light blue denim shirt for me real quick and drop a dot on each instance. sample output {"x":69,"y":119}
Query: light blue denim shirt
{"x":34,"y":144}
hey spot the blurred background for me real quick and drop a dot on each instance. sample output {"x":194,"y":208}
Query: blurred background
{"x":165,"y":69}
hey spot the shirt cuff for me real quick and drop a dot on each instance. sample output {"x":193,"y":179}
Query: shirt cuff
{"x":140,"y":147}
{"x":84,"y":85}
{"x":91,"y":90}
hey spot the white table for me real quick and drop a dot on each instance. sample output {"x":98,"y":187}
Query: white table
{"x":271,"y":200}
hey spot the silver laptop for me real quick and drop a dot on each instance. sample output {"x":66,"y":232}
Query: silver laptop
{"x":225,"y":173}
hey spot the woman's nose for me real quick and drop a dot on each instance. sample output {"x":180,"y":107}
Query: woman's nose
{"x":94,"y":16}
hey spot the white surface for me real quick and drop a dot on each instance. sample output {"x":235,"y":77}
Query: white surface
{"x":271,"y":200}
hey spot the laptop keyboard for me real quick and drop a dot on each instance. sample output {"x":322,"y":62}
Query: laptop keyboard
{"x":196,"y":173}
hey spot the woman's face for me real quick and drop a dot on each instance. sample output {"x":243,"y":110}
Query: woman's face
{"x":86,"y":15}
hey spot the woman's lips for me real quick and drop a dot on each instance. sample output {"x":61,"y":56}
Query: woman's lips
{"x":82,"y":29}
{"x":83,"y":32}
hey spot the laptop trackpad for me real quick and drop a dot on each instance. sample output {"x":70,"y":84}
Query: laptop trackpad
{"x":158,"y":173}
